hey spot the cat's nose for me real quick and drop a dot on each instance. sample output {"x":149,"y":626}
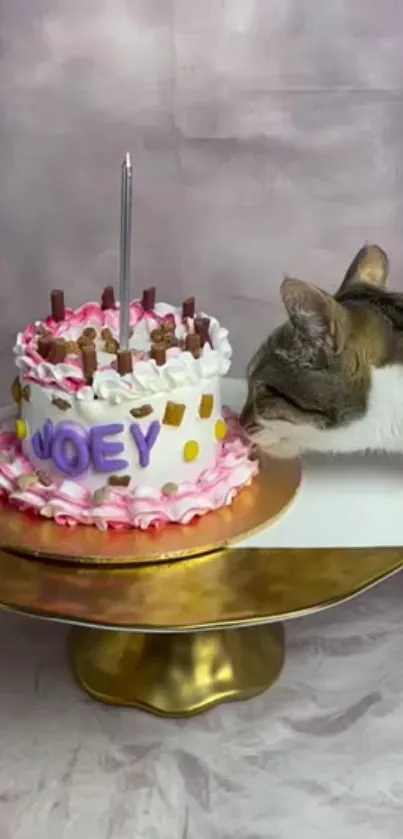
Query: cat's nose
{"x":247,"y":419}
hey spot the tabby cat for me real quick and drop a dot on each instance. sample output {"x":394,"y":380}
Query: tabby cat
{"x":330,"y":379}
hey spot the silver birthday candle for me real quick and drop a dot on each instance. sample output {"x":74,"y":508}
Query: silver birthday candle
{"x":125,"y":250}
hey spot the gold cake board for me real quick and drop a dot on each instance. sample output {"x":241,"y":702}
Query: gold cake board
{"x":256,"y":506}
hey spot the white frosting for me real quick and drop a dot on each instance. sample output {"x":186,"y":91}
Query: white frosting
{"x":167,"y":463}
{"x":180,"y":369}
{"x":43,"y":370}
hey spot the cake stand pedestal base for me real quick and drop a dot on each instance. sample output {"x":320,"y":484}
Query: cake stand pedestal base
{"x":176,"y":675}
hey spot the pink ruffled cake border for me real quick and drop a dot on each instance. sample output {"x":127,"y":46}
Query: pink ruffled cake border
{"x":71,"y":505}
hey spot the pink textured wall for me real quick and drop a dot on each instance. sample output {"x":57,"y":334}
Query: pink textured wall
{"x":267,"y":136}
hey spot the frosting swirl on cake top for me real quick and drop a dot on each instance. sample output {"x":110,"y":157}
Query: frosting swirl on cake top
{"x":168,"y":349}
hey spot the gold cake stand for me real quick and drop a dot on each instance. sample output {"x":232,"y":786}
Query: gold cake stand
{"x":146,"y":646}
{"x":177,"y":637}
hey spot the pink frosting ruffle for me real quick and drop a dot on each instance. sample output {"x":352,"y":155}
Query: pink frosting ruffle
{"x":122,"y":508}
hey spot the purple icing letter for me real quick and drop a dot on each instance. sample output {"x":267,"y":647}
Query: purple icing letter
{"x":102,"y":452}
{"x":42,"y":441}
{"x":145,"y":443}
{"x":70,"y":451}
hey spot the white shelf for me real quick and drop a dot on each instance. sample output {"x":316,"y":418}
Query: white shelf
{"x":354,"y":501}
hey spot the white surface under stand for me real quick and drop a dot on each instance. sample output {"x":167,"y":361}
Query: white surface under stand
{"x":349,"y":501}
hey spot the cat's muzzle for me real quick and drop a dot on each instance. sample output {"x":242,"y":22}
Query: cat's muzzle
{"x":248,"y":421}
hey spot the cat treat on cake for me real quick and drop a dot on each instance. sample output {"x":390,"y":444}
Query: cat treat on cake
{"x":120,"y":422}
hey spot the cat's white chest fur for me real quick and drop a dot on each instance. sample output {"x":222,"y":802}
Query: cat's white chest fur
{"x":380,"y":429}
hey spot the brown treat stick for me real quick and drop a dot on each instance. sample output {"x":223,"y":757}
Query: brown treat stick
{"x":43,"y":346}
{"x":202,"y":325}
{"x":89,"y":358}
{"x":158,"y":353}
{"x":170,"y":340}
{"x":148,"y":299}
{"x":142,"y":411}
{"x":58,"y":351}
{"x":125,"y":362}
{"x":90,"y":332}
{"x":108,"y":298}
{"x":111,"y":346}
{"x":188,"y":307}
{"x":44,"y":479}
{"x":157,"y":335}
{"x":193,"y":344}
{"x":71,"y":347}
{"x":169,"y":323}
{"x":62,"y":404}
{"x":117,"y":481}
{"x":83,"y":343}
{"x":101,"y":495}
{"x":57,"y":305}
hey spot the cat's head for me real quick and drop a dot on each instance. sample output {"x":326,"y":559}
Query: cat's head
{"x":311,"y":378}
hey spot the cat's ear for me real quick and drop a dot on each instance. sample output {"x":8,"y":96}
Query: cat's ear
{"x":315,"y":314}
{"x":370,"y":266}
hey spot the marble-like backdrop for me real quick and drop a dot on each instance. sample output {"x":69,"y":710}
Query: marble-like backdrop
{"x":267,"y":136}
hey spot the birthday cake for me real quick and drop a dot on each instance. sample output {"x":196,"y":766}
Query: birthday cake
{"x":122,"y":438}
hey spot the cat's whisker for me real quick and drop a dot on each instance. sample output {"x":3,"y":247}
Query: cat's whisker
{"x":264,"y":439}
